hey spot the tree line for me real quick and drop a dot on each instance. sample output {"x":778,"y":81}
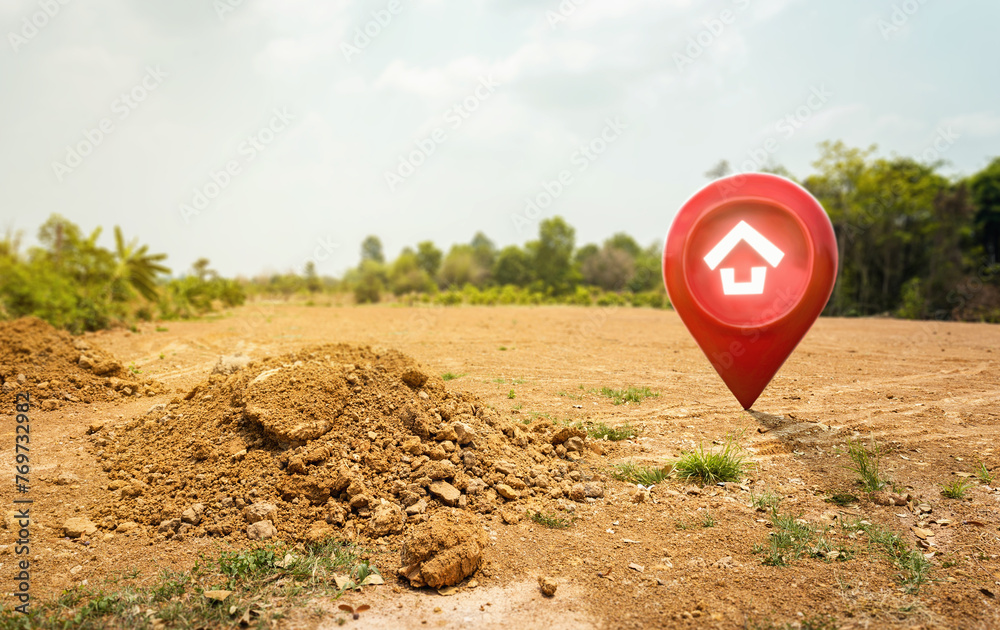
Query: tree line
{"x":912,"y":243}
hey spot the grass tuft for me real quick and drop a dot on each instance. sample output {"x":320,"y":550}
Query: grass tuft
{"x":602,"y":431}
{"x":866,"y":463}
{"x":628,"y":395}
{"x":552,"y":521}
{"x":712,"y":467}
{"x":984,"y":475}
{"x":450,"y":376}
{"x":765,"y":501}
{"x":634,"y":473}
{"x":956,"y":489}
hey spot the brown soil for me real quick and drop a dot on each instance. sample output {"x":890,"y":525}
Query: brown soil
{"x":928,"y":392}
{"x":58,"y":369}
{"x":331,"y":434}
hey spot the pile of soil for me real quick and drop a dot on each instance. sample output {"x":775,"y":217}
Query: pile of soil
{"x":57,"y":369}
{"x":360,"y":442}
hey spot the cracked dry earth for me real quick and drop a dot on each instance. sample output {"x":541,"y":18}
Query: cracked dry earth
{"x":683,"y":556}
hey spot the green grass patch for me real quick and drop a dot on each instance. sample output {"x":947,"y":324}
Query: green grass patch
{"x":765,"y":501}
{"x":552,"y":521}
{"x":177,"y":598}
{"x":984,"y":475}
{"x":956,"y":489}
{"x":628,"y":395}
{"x":914,"y":567}
{"x":866,"y":464}
{"x":727,"y":464}
{"x":450,"y":376}
{"x":843,"y":499}
{"x":601,"y":431}
{"x":634,"y":473}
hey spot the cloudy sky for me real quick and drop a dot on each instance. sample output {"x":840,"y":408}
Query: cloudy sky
{"x":265,"y":133}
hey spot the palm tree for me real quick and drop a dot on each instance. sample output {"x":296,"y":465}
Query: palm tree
{"x":136,"y":266}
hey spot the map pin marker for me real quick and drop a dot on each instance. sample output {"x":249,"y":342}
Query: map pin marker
{"x":749,"y":263}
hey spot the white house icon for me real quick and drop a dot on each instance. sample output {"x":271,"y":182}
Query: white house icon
{"x":764,"y":247}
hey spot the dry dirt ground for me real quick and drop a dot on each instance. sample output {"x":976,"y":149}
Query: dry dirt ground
{"x":927,"y":392}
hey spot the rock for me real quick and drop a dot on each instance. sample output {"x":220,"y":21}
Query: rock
{"x":445,"y":492}
{"x":169,"y":526}
{"x":318,"y":532}
{"x":464,"y":434}
{"x":66,"y":478}
{"x":296,"y":465}
{"x":640,"y":495}
{"x":76,"y":527}
{"x":260,"y":511}
{"x":510,"y":516}
{"x":126,"y":527}
{"x":231,"y":363}
{"x":565,"y":433}
{"x":388,"y":519}
{"x":693,"y":490}
{"x":725,"y":562}
{"x":193,"y":514}
{"x":412,"y":445}
{"x":95,"y":426}
{"x":417,"y":508}
{"x":104,"y":368}
{"x":444,"y":550}
{"x":336,"y":514}
{"x":885,"y":497}
{"x":505,"y":468}
{"x":134,"y":489}
{"x":414,"y":378}
{"x":359,"y":502}
{"x":261,"y":530}
{"x":574,"y":444}
{"x":446,"y":434}
{"x":578,"y":492}
{"x":548,"y":586}
{"x":507,"y":492}
{"x":593,"y":490}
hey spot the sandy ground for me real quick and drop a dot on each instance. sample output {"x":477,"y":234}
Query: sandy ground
{"x":927,"y":391}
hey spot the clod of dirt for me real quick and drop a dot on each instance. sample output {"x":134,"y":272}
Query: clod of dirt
{"x":228,"y":364}
{"x":56,"y":368}
{"x":444,"y":550}
{"x":548,"y":586}
{"x":76,"y":527}
{"x":360,"y":442}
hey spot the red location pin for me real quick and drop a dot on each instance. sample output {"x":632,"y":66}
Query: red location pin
{"x":749,"y":263}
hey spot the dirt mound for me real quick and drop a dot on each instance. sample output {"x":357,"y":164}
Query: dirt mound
{"x":359,"y":440}
{"x":56,"y":368}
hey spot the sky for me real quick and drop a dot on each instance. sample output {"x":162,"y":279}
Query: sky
{"x":264,"y":134}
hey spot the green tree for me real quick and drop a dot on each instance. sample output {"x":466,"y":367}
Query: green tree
{"x":313,"y":283}
{"x":626,"y":243}
{"x":370,"y":282}
{"x":513,"y":266}
{"x":133,"y":264}
{"x":429,"y":257}
{"x":371,"y":249}
{"x":611,"y":268}
{"x":407,"y":276}
{"x":485,"y":251}
{"x":552,"y":256}
{"x":985,"y":189}
{"x":460,"y":267}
